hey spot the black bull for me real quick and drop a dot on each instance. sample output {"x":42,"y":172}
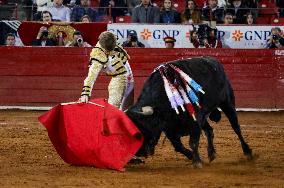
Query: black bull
{"x":153,"y":114}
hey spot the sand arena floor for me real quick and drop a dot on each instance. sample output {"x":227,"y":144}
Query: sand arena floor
{"x":28,"y":159}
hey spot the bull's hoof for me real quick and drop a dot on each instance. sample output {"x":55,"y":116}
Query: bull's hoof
{"x":249,"y":157}
{"x":249,"y":154}
{"x":136,"y":160}
{"x":197,"y":165}
{"x":212,"y":156}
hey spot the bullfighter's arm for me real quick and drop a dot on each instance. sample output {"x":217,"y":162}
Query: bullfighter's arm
{"x":97,"y":59}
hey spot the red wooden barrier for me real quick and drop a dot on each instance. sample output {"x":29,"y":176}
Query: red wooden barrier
{"x":36,"y":76}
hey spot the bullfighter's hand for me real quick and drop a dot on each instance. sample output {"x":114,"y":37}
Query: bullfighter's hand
{"x":84,"y":99}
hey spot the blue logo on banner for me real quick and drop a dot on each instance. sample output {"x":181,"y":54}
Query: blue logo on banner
{"x":160,"y":34}
{"x":257,"y":35}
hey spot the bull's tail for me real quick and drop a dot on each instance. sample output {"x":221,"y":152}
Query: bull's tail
{"x":215,"y":115}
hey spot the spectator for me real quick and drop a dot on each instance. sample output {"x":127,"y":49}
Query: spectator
{"x":118,"y":8}
{"x":78,"y":41}
{"x":42,"y":38}
{"x":203,"y":3}
{"x":131,"y":4}
{"x":208,"y":40}
{"x":194,"y":38}
{"x":275,"y":40}
{"x":27,"y":6}
{"x":42,"y":5}
{"x":59,"y":12}
{"x":191,"y":15}
{"x":250,"y":18}
{"x":280,"y":4}
{"x":168,"y":14}
{"x":212,"y":41}
{"x":251,"y":3}
{"x":46,"y":16}
{"x":146,"y":13}
{"x":83,"y":9}
{"x":132,"y":40}
{"x":60,"y":39}
{"x":169,"y":42}
{"x":228,"y":19}
{"x":223,"y":3}
{"x":10,"y":40}
{"x":212,"y":12}
{"x":71,"y":3}
{"x":238,"y":10}
{"x":85,"y":19}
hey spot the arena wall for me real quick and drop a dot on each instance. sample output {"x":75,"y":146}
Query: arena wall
{"x":36,"y":76}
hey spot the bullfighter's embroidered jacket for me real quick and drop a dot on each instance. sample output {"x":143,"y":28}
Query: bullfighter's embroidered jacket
{"x":115,"y":64}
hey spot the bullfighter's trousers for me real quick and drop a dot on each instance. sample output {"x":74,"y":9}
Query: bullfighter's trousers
{"x":121,"y":92}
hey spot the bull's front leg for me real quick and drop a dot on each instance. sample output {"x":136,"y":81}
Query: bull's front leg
{"x":179,"y":147}
{"x":194,"y":144}
{"x":210,"y":136}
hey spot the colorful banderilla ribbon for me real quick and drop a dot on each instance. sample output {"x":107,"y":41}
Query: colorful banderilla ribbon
{"x":188,"y":79}
{"x":188,"y":104}
{"x":172,"y":93}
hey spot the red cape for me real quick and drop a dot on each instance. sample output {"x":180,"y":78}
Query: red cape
{"x":92,"y":135}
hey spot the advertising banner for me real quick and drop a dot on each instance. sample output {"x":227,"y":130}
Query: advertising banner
{"x":234,"y":36}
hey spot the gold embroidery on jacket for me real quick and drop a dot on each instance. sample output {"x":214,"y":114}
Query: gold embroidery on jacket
{"x":99,"y":60}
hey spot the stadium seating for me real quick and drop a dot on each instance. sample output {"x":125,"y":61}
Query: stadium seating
{"x":269,"y":20}
{"x":268,"y":12}
{"x":123,"y":19}
{"x":106,"y":19}
{"x":95,"y":3}
{"x":267,"y":8}
{"x":158,"y":3}
{"x":263,"y":20}
{"x":179,"y":5}
{"x":277,"y":21}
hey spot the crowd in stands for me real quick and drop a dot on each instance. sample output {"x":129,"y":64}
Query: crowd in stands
{"x":10,"y":39}
{"x":132,"y":40}
{"x":144,"y":11}
{"x":276,"y":39}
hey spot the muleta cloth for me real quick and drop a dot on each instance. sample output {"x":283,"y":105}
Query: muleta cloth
{"x":92,"y":134}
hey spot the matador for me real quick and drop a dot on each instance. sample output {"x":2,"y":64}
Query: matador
{"x":112,"y":59}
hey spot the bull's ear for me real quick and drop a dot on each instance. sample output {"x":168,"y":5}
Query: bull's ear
{"x":147,"y":110}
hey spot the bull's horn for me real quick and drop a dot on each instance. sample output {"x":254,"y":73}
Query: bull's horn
{"x":147,"y":110}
